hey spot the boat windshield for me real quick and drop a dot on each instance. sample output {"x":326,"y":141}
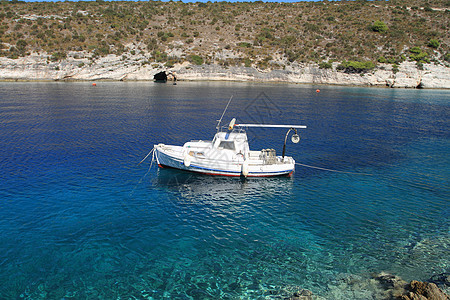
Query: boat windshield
{"x":229,"y":145}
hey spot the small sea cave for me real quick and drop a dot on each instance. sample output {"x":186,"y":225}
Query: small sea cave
{"x":160,"y":77}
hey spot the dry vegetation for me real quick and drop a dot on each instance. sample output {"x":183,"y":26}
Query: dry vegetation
{"x":359,"y":34}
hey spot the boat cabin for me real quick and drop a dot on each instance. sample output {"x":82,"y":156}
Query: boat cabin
{"x":234,"y":141}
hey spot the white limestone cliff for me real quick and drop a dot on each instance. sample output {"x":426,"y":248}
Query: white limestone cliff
{"x":82,"y":67}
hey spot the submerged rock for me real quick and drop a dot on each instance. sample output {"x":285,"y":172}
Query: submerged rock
{"x":304,"y":295}
{"x":441,"y":280}
{"x":392,"y":285}
{"x":397,"y":288}
{"x":418,"y":290}
{"x":382,"y":286}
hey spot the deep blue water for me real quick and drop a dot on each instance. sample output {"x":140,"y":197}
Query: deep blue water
{"x":79,"y":219}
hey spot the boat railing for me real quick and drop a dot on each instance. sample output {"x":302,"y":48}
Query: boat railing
{"x":199,"y":141}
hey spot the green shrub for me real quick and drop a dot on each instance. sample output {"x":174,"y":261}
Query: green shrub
{"x":379,"y":26}
{"x":159,"y":56}
{"x":245,"y":45}
{"x":447,"y":57}
{"x":13,"y":53}
{"x":56,"y":56}
{"x":196,"y":60}
{"x":394,"y":68}
{"x":265,"y":34}
{"x":325,"y":65}
{"x":152,"y":44}
{"x":433,"y":43}
{"x":102,"y":49}
{"x":355,"y":66}
{"x":381,"y":59}
{"x":21,"y":45}
{"x":419,"y":65}
{"x":311,"y":27}
{"x":164,"y":35}
{"x":415,"y":50}
{"x":418,"y":55}
{"x":292,"y":55}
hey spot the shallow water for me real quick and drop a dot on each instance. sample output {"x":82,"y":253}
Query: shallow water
{"x":80,"y":219}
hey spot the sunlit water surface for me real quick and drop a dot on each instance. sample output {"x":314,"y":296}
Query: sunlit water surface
{"x":79,"y":219}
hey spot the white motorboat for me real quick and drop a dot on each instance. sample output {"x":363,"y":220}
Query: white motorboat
{"x":228,"y":154}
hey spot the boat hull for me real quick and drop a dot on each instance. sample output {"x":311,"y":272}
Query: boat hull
{"x":172,"y":157}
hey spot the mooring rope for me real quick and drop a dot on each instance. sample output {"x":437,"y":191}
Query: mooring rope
{"x":151,"y":151}
{"x":331,"y":170}
{"x":151,"y":163}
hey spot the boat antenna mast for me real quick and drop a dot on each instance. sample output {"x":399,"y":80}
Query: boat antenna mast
{"x":220,"y":120}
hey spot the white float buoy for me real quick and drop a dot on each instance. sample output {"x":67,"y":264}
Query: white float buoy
{"x":231,"y":125}
{"x":187,"y":160}
{"x":245,"y":168}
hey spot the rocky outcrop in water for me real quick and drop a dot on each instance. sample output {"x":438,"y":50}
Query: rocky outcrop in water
{"x":390,"y":286}
{"x":382,"y":286}
{"x":80,"y":66}
{"x":422,"y":291}
{"x":304,"y":295}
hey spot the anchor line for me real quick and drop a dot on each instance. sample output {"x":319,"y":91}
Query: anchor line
{"x":148,"y":171}
{"x":414,"y":183}
{"x":151,"y":164}
{"x":151,"y":151}
{"x":331,"y":170}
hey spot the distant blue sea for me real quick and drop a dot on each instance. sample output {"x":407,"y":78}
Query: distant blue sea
{"x":79,"y":219}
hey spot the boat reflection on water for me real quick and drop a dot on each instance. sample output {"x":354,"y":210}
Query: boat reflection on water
{"x":200,"y":187}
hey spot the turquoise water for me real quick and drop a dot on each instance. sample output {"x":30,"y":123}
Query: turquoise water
{"x":79,"y":219}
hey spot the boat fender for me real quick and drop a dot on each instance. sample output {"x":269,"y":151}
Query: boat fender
{"x":187,"y":160}
{"x":245,"y":168}
{"x":231,"y":125}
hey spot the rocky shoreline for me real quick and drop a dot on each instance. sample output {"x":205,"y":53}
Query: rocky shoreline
{"x":382,"y":286}
{"x":80,"y":66}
